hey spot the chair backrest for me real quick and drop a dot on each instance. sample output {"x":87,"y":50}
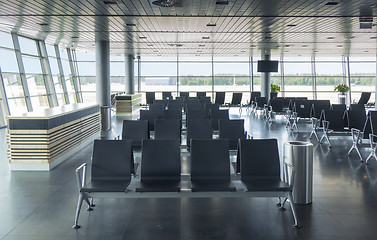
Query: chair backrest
{"x":204,"y":100}
{"x":116,"y":167}
{"x":339,"y":107}
{"x":335,"y":119}
{"x":356,"y":117}
{"x":151,"y":115}
{"x":303,"y":108}
{"x":236,"y":98}
{"x":273,"y":95}
{"x":373,"y":122}
{"x":166,"y":95}
{"x":318,"y":106}
{"x":276,"y":105}
{"x":194,"y":106}
{"x":201,"y":94}
{"x":167,"y":129}
{"x":198,"y":129}
{"x":259,"y":159}
{"x":184,"y":94}
{"x":196,"y":114}
{"x":175,"y":105}
{"x":160,"y":159}
{"x":191,"y":101}
{"x":261,"y":101}
{"x":209,"y":159}
{"x":254,"y":95}
{"x":215,"y":115}
{"x":172,"y":114}
{"x":136,"y":131}
{"x":156,"y":106}
{"x":220,"y":98}
{"x":364,"y":98}
{"x":232,"y":130}
{"x":150,"y":97}
{"x":209,"y":106}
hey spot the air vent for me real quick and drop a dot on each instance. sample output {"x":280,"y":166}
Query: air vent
{"x":205,"y":37}
{"x":222,"y":2}
{"x":211,"y":25}
{"x":43,"y":24}
{"x":291,"y":25}
{"x":131,"y":24}
{"x":110,"y":2}
{"x":331,"y":4}
{"x":167,"y":3}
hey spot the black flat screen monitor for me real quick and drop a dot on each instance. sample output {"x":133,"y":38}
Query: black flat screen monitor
{"x":268,"y":66}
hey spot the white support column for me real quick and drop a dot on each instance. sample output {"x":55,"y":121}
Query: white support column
{"x":129,"y":73}
{"x":265,"y":76}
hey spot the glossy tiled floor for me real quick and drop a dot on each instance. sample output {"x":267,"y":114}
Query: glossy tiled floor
{"x":41,"y":205}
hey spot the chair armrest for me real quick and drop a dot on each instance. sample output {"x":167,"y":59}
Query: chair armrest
{"x":81,"y":176}
{"x":248,"y":135}
{"x":117,"y":137}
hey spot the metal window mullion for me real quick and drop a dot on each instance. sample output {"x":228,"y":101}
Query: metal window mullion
{"x":138,"y":74}
{"x":251,"y":74}
{"x":349,"y":78}
{"x":21,"y":70}
{"x":78,"y":82}
{"x":73,"y":74}
{"x":47,"y":75}
{"x":213,"y":79}
{"x":314,"y":78}
{"x":61,"y":74}
{"x":282,"y":76}
{"x":177,"y":62}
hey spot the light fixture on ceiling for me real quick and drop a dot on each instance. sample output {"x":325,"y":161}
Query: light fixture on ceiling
{"x":331,"y":3}
{"x":142,"y":37}
{"x":291,"y":25}
{"x":222,"y":2}
{"x":304,"y":45}
{"x":211,"y":25}
{"x":373,"y":37}
{"x":366,"y":51}
{"x":113,"y":2}
{"x":330,"y":38}
{"x":202,"y":45}
{"x":149,"y":45}
{"x":43,"y":24}
{"x":287,"y":46}
{"x":167,"y":3}
{"x":205,"y":37}
{"x":339,"y":46}
{"x":243,"y":51}
{"x":74,"y":37}
{"x":131,"y":24}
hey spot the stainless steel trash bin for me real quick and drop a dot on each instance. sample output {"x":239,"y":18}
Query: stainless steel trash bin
{"x":105,"y":118}
{"x":300,"y":155}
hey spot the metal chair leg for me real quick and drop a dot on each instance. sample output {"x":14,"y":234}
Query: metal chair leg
{"x":78,"y":208}
{"x":293,"y":208}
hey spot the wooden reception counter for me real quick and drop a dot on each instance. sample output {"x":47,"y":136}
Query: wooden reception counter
{"x":41,"y":140}
{"x":127,"y":103}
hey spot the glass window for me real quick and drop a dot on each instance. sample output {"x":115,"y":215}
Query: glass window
{"x":50,"y":50}
{"x":36,"y":85}
{"x":235,"y":69}
{"x":85,"y":56}
{"x":12,"y":84}
{"x":8,"y":61}
{"x":6,"y":40}
{"x":17,"y":105}
{"x":63,"y":53}
{"x":66,"y":68}
{"x":54,"y":65}
{"x":86,"y":68}
{"x":32,"y":65}
{"x":60,"y":98}
{"x":195,"y":69}
{"x":159,"y":69}
{"x":39,"y":102}
{"x":28,"y":46}
{"x":58,"y":85}
{"x":117,"y":69}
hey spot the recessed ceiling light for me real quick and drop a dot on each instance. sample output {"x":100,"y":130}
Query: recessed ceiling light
{"x":202,"y":45}
{"x":110,"y":2}
{"x":286,"y":51}
{"x":235,"y":55}
{"x":211,"y":25}
{"x":155,"y":50}
{"x":331,"y":4}
{"x":373,"y":37}
{"x":131,"y":24}
{"x":205,"y":37}
{"x":366,"y":51}
{"x":299,"y":55}
{"x":142,"y":37}
{"x":339,"y":46}
{"x":150,"y":45}
{"x":316,"y":51}
{"x":222,"y":2}
{"x":199,"y":51}
{"x":75,"y":37}
{"x":267,"y":37}
{"x":287,"y":46}
{"x":252,"y":46}
{"x":243,"y":51}
{"x":291,"y":25}
{"x":159,"y":55}
{"x":198,"y":55}
{"x":330,"y":38}
{"x":304,"y":45}
{"x":43,"y":24}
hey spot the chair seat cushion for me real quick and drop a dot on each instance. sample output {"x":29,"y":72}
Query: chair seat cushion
{"x":106,"y":186}
{"x":212,"y":185}
{"x":157,"y":185}
{"x":265,"y":185}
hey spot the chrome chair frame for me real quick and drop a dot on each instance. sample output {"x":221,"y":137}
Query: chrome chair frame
{"x":373,"y":147}
{"x":357,"y":135}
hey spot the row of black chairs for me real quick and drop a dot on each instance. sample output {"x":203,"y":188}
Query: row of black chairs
{"x":161,"y":169}
{"x":170,"y":129}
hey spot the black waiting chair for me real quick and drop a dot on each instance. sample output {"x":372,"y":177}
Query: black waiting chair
{"x":356,"y":116}
{"x":184,"y":95}
{"x":196,"y":114}
{"x":252,"y":104}
{"x":339,"y":107}
{"x":204,"y":100}
{"x":273,"y":95}
{"x":198,"y":129}
{"x":220,"y":98}
{"x":175,"y":105}
{"x":260,"y":102}
{"x":232,"y":130}
{"x":156,"y":106}
{"x":318,"y":106}
{"x":201,"y":94}
{"x":364,"y":98}
{"x":160,"y":166}
{"x":302,"y":108}
{"x":236,"y":100}
{"x":172,"y":114}
{"x":260,"y":169}
{"x":216,"y":115}
{"x":167,"y":95}
{"x":150,"y":97}
{"x":210,"y":169}
{"x":135,"y":131}
{"x":333,"y":122}
{"x":108,"y":174}
{"x":167,"y":129}
{"x":275,"y":106}
{"x":211,"y":106}
{"x":151,"y":115}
